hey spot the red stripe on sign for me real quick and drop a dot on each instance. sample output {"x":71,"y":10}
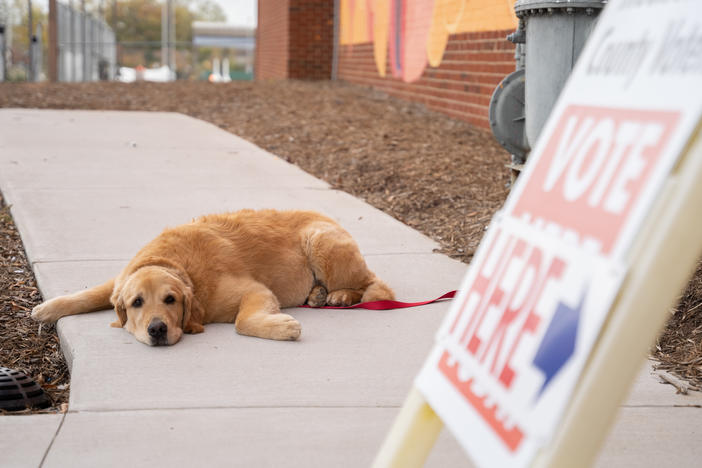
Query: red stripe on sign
{"x":512,"y":437}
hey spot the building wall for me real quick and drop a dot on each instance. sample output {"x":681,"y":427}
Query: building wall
{"x":272,"y":40}
{"x":461,"y":85}
{"x":447,"y":54}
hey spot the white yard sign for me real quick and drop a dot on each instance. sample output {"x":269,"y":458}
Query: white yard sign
{"x":515,"y":341}
{"x":510,"y":351}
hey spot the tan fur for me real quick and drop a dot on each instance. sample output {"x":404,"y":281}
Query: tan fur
{"x":239,"y":268}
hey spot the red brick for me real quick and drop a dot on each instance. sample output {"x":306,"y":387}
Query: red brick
{"x":461,"y":86}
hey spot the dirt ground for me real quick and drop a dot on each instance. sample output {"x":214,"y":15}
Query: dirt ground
{"x":438,"y":175}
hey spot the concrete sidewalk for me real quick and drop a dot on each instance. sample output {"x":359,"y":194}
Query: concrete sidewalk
{"x":88,"y":189}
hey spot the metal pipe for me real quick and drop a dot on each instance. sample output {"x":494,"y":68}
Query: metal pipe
{"x":72,"y":42}
{"x":83,"y":41}
{"x":53,"y":42}
{"x":37,"y":58}
{"x":335,"y":44}
{"x":3,"y":67}
{"x":171,"y":37}
{"x":30,"y":54}
{"x":164,"y":33}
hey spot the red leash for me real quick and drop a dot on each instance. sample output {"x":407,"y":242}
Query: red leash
{"x":385,"y":305}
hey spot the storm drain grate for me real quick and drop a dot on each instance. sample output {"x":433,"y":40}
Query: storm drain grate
{"x":18,"y":391}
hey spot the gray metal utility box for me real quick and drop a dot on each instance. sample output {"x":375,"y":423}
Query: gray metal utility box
{"x":549,"y":39}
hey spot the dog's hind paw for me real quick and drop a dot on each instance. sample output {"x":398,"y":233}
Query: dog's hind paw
{"x":317,"y":297}
{"x":46,"y":312}
{"x":344,"y":297}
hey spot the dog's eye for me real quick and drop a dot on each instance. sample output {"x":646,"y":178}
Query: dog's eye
{"x":138,"y":302}
{"x":169,"y":299}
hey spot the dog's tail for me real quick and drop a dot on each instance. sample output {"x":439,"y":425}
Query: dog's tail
{"x":378,"y":291}
{"x":90,"y":300}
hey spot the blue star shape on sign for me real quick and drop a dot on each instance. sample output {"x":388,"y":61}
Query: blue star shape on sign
{"x":558,"y":343}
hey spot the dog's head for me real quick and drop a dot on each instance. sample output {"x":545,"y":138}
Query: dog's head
{"x":156,"y":305}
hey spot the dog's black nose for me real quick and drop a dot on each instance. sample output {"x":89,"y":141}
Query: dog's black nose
{"x":157,"y":329}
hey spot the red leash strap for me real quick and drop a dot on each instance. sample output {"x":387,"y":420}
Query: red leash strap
{"x":386,"y":305}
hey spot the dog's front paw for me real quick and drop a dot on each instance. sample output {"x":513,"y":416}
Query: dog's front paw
{"x":285,"y":327}
{"x":47,"y":312}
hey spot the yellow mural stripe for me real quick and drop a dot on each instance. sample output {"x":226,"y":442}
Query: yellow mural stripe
{"x":381,"y":19}
{"x":454,"y":16}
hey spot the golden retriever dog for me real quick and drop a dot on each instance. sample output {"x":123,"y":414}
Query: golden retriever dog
{"x":238,"y":268}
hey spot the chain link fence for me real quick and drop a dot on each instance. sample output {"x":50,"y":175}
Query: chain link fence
{"x":87,"y":49}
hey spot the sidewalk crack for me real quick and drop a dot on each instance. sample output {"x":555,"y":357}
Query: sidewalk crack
{"x":48,"y":449}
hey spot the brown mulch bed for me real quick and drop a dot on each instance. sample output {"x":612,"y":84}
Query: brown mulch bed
{"x":679,"y":348}
{"x":22,"y":346}
{"x":438,"y":175}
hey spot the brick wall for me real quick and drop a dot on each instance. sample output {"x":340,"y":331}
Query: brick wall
{"x":272,"y":40}
{"x":311,"y":39}
{"x":472,"y":66}
{"x":294,"y":39}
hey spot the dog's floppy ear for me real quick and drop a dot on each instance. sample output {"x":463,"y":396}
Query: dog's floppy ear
{"x":192,"y":312}
{"x":118,"y":303}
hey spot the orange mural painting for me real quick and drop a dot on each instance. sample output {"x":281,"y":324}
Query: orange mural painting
{"x":381,"y":20}
{"x":409,"y":34}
